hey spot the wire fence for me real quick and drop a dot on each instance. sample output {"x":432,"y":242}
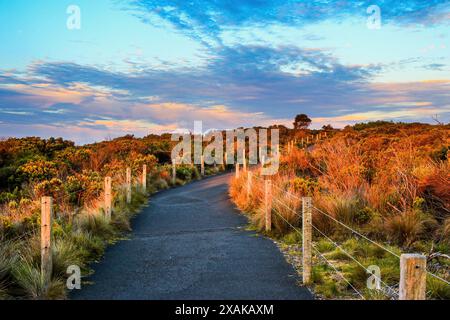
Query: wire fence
{"x":62,"y":198}
{"x":391,"y":291}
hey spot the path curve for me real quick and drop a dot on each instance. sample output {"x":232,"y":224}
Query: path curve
{"x":191,"y":243}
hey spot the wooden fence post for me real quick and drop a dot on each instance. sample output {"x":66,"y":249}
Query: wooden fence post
{"x":174,"y":171}
{"x":249,"y":183}
{"x":263,"y":162}
{"x":108,"y":198}
{"x":237,"y":170}
{"x":202,"y":165}
{"x":225,"y":160}
{"x":413,"y":277}
{"x":307,"y":238}
{"x":144,"y":177}
{"x":46,"y":239}
{"x":268,"y":204}
{"x":244,"y":159}
{"x":128,"y":185}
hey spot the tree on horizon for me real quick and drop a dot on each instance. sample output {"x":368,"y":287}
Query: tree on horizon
{"x":302,"y":121}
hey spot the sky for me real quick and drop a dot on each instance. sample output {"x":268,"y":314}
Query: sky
{"x":89,"y":70}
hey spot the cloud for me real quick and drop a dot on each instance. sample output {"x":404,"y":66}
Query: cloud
{"x":240,"y":86}
{"x":243,"y":77}
{"x":401,"y":114}
{"x":435,"y":66}
{"x":206,"y":19}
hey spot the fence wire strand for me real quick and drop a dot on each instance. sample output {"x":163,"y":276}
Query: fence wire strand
{"x":353,"y":258}
{"x":390,"y":291}
{"x":287,"y":207}
{"x":337,"y":271}
{"x":328,"y":262}
{"x":343,"y":225}
{"x":290,"y":224}
{"x":375,"y":243}
{"x":356,"y":232}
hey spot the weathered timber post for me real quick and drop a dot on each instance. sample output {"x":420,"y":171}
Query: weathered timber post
{"x":263,"y":162}
{"x":413,"y":277}
{"x":144,"y":177}
{"x":46,"y":239}
{"x":249,"y":183}
{"x":307,"y":238}
{"x":225,"y":162}
{"x":128,"y":183}
{"x":202,"y":165}
{"x":174,"y":171}
{"x":268,"y":204}
{"x":108,"y":198}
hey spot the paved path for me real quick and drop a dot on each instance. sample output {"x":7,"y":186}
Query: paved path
{"x":191,"y":243}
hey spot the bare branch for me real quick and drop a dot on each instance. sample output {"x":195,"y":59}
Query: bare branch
{"x":436,"y":119}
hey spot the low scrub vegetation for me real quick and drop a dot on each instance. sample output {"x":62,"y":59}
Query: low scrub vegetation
{"x":73,"y":176}
{"x":388,"y":181}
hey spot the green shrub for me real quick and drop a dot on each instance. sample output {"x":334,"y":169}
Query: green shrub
{"x":324,"y":245}
{"x":160,"y":184}
{"x":96,"y":224}
{"x":364,"y":215}
{"x":27,"y":276}
{"x":184,"y":173}
{"x":292,"y":238}
{"x":338,"y":254}
{"x":407,"y":227}
{"x":349,"y":211}
{"x":91,"y":247}
{"x":65,"y":253}
{"x":437,"y":289}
